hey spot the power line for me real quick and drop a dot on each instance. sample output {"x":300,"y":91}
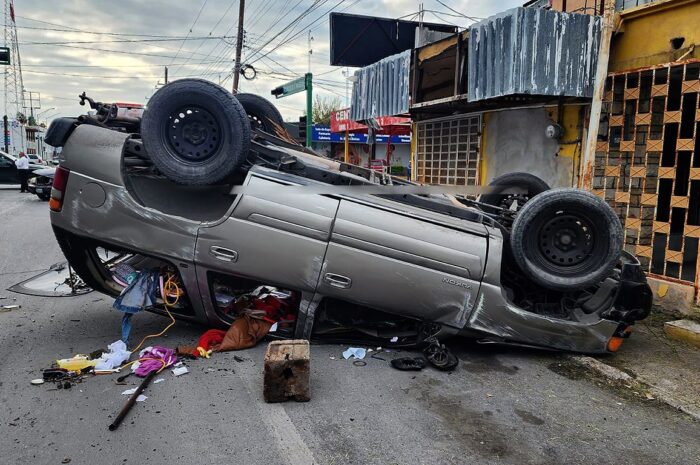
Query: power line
{"x":473,"y":18}
{"x":192,"y":26}
{"x":127,"y":40}
{"x":210,"y":33}
{"x":157,"y":65}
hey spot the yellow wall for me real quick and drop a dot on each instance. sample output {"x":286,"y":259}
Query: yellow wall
{"x":643,"y":34}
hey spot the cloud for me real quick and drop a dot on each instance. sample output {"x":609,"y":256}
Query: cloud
{"x":110,"y":69}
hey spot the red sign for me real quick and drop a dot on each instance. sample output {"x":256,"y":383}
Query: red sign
{"x":341,"y":122}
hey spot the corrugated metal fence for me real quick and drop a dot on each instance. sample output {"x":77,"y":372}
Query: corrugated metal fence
{"x":381,"y":89}
{"x":533,"y":51}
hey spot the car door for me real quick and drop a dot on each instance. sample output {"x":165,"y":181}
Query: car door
{"x":403,"y":264}
{"x":270,"y":237}
{"x":8,"y":170}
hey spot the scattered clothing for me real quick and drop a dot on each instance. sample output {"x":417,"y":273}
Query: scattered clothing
{"x":139,"y":294}
{"x":356,"y":352}
{"x":154,"y":358}
{"x":114,"y":358}
{"x":244,"y":333}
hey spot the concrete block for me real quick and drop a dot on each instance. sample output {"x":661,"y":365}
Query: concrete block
{"x":287,"y":369}
{"x":683,"y":330}
{"x":673,"y":297}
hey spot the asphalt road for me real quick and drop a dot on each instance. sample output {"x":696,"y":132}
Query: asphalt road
{"x":501,"y":406}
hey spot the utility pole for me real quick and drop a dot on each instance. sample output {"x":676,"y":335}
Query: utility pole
{"x":166,"y":74}
{"x":310,"y":50}
{"x":308,"y":83}
{"x":239,"y":46}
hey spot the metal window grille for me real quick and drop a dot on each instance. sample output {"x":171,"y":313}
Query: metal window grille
{"x":647,"y":165}
{"x":447,"y":151}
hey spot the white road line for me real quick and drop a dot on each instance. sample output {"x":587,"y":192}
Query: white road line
{"x":287,"y":439}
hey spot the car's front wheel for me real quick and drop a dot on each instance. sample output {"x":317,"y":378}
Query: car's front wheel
{"x":566,"y":239}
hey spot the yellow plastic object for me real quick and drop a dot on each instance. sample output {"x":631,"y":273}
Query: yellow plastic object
{"x":77,"y":363}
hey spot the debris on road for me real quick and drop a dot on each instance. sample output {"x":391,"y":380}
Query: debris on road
{"x":408,"y":363}
{"x":8,"y":308}
{"x":115,"y":356}
{"x":287,"y":367}
{"x":180,"y":371}
{"x":356,"y":352}
{"x":132,"y":400}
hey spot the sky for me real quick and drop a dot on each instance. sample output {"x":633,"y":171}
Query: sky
{"x":117,"y":51}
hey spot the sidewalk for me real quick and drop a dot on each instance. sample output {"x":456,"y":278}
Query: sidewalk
{"x":670,"y":369}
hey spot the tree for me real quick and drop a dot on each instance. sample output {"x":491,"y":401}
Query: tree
{"x":323,"y":107}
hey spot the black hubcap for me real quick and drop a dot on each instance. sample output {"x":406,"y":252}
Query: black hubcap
{"x":566,"y":240}
{"x":193,"y":133}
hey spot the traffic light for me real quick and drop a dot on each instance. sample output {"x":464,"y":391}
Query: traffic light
{"x":302,"y":129}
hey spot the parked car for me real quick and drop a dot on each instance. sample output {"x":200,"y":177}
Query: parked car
{"x":40,"y":182}
{"x":34,"y":158}
{"x":207,"y":185}
{"x":8,"y":170}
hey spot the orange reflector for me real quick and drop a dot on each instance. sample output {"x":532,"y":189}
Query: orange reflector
{"x":616,"y":341}
{"x":55,"y":204}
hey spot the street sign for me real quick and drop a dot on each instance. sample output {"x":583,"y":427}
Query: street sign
{"x":4,"y":56}
{"x":292,"y":87}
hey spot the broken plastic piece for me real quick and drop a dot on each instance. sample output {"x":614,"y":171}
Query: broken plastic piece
{"x":76,"y":363}
{"x":180,"y":371}
{"x":357,"y":352}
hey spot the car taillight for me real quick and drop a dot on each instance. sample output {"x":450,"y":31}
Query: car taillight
{"x":60,"y":180}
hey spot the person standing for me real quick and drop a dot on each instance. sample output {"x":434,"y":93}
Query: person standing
{"x":22,"y":164}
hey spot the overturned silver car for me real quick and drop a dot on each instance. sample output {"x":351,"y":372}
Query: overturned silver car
{"x":206,"y":184}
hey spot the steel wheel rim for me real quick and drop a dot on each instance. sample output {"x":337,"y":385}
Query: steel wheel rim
{"x":192,"y":134}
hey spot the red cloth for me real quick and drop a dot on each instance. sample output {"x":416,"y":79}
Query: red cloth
{"x":210,"y":338}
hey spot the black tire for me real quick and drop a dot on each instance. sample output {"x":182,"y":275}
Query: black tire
{"x":566,"y":239}
{"x":261,"y":112}
{"x":44,"y":197}
{"x":195,"y":132}
{"x":81,"y":256}
{"x":524,"y":185}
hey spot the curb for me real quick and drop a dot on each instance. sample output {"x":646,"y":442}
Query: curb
{"x":615,"y":374}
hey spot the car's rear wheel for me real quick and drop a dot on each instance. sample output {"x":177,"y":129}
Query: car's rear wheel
{"x":261,"y":112}
{"x":82,"y":256}
{"x":566,"y":239}
{"x":513,"y":187}
{"x":195,"y":132}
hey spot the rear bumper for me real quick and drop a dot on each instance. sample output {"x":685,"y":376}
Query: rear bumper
{"x":634,"y":297}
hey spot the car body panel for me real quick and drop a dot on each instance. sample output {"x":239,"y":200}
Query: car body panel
{"x":365,"y":249}
{"x":278,"y":239}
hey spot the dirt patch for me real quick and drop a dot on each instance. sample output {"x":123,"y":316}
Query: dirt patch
{"x":629,"y":390}
{"x":659,"y":316}
{"x":528,"y":417}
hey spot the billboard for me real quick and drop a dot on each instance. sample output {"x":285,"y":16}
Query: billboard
{"x":359,"y":41}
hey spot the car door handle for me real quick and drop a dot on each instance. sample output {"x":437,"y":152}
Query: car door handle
{"x":336,"y":280}
{"x":223,"y":254}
